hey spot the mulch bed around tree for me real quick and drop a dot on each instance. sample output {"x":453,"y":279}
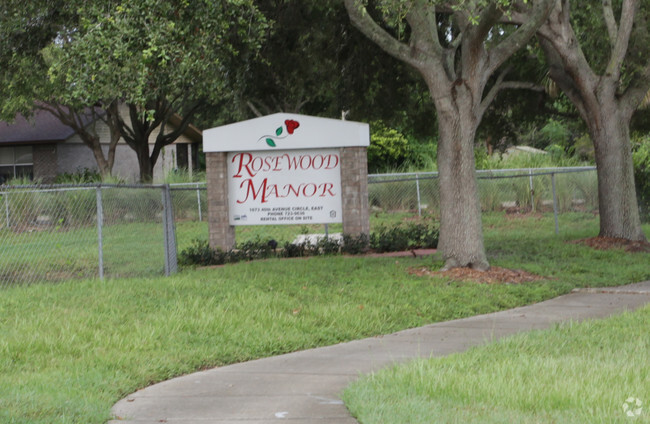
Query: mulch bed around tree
{"x":495,"y":275}
{"x":607,"y":243}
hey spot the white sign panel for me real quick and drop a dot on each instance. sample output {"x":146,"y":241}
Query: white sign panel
{"x":284,"y":187}
{"x":284,"y":131}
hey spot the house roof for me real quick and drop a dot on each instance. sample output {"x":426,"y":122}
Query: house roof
{"x":41,"y":127}
{"x":191,"y":132}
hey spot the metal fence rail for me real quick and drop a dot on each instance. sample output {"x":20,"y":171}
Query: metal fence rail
{"x":64,"y":232}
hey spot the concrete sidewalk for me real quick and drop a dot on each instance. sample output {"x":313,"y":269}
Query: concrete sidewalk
{"x":304,"y":387}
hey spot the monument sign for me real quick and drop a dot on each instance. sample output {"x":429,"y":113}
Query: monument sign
{"x":286,"y":169}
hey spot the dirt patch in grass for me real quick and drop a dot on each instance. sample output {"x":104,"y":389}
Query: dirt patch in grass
{"x":495,"y":275}
{"x":607,"y":243}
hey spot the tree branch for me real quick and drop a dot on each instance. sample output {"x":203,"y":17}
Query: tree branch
{"x":522,"y":85}
{"x":252,"y":107}
{"x":127,"y":133}
{"x":535,"y":18}
{"x":619,"y":49}
{"x":610,"y":22}
{"x":492,"y":94}
{"x":568,"y":66}
{"x":489,"y":16}
{"x":169,"y":138}
{"x":638,"y":90}
{"x":163,"y":139}
{"x":561,"y":69}
{"x":362,"y":21}
{"x":424,"y":26}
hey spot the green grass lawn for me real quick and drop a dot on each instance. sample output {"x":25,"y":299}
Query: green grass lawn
{"x":573,"y":373}
{"x":68,"y":351}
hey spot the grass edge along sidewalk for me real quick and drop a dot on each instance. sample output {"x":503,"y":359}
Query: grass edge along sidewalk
{"x":71,"y":350}
{"x":305,"y":386}
{"x":587,"y":372}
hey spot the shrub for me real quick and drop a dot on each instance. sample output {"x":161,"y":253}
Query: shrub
{"x":422,"y":155}
{"x":299,"y":250}
{"x":414,"y":235}
{"x":82,"y":176}
{"x":328,"y":246}
{"x":553,"y":132}
{"x":257,"y":248}
{"x":584,"y":148}
{"x":422,"y":234}
{"x":199,"y":253}
{"x":641,"y":158}
{"x":355,"y":245}
{"x":386,"y":239}
{"x":388,"y":147}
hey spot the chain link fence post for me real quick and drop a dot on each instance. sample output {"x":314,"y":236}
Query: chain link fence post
{"x":557,"y":228}
{"x":417,"y":186}
{"x":6,"y":196}
{"x":532,"y":190}
{"x":171,"y":260}
{"x":198,"y":201}
{"x":100,"y":236}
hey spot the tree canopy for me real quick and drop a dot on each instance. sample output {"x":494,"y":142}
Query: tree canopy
{"x":314,"y":62}
{"x":157,"y":57}
{"x":29,"y":34}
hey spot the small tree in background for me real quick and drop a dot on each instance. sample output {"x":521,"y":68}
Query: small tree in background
{"x":160,"y":58}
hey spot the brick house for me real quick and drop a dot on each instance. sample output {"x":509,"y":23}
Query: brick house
{"x":41,"y":148}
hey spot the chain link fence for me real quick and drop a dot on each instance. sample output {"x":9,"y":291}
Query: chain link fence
{"x":556,"y":190}
{"x":59,"y":233}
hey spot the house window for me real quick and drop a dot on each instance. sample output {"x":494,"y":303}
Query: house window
{"x":16,"y":162}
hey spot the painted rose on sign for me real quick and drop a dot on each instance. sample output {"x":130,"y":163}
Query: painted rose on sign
{"x":281,"y":132}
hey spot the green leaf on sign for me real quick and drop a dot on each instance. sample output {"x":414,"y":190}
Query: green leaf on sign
{"x":270,"y":142}
{"x":278,"y":131}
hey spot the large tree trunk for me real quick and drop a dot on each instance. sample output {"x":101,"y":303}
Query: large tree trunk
{"x":144,"y":162}
{"x":617,"y":202}
{"x":461,"y":231}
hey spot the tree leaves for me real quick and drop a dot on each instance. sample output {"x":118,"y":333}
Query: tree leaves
{"x":159,"y":57}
